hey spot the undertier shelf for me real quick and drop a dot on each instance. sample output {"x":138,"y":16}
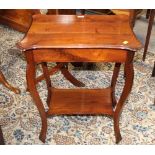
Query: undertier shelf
{"x":81,"y":101}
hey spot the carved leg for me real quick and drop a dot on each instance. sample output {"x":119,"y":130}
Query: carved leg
{"x":151,"y":19}
{"x":31,"y":82}
{"x":114,"y":80}
{"x":48,"y":81}
{"x":6,"y":84}
{"x":70,"y":77}
{"x":126,"y":90}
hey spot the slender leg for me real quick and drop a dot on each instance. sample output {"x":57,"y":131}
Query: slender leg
{"x":1,"y":137}
{"x":6,"y":84}
{"x":148,"y":13}
{"x":31,"y":82}
{"x":70,"y":77}
{"x":153,"y":72}
{"x":48,"y":81}
{"x":126,"y":90}
{"x":151,"y":19}
{"x":114,"y":80}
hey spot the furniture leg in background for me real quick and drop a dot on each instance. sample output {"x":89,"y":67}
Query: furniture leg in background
{"x":153,"y":75}
{"x":153,"y":72}
{"x":1,"y":137}
{"x":6,"y":84}
{"x":151,"y":19}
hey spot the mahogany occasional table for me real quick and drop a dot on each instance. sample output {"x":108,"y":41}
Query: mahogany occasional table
{"x":88,"y":38}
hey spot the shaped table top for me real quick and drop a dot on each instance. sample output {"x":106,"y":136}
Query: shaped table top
{"x":86,"y":31}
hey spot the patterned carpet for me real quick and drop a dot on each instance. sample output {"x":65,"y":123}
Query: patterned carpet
{"x":21,"y":122}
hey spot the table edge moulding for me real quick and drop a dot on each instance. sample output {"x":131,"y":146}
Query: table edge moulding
{"x":70,"y":38}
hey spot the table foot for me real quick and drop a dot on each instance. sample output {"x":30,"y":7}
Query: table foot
{"x":42,"y":137}
{"x":118,"y":139}
{"x":117,"y":129}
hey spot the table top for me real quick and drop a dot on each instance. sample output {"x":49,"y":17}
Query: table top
{"x":73,"y":31}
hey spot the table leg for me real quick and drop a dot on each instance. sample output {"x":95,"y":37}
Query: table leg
{"x":6,"y":84}
{"x":126,"y":90}
{"x":48,"y":81}
{"x":151,"y":19}
{"x":153,"y":72}
{"x":113,"y":82}
{"x":70,"y":77}
{"x":31,"y":82}
{"x":51,"y":72}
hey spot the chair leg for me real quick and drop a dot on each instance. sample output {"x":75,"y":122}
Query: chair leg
{"x":151,"y":19}
{"x":148,"y":13}
{"x":6,"y":84}
{"x":153,"y":72}
{"x":1,"y":137}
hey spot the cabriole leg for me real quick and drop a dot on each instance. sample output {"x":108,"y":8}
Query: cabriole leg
{"x":48,"y":81}
{"x":31,"y":82}
{"x":126,"y":90}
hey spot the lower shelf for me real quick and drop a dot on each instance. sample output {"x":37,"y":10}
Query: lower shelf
{"x":81,"y":101}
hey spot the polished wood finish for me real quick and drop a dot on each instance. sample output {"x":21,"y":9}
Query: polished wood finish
{"x":132,"y":14}
{"x":151,"y":20}
{"x":79,"y":55}
{"x":1,"y":137}
{"x":69,"y":12}
{"x":6,"y":84}
{"x":89,"y":38}
{"x":19,"y":19}
{"x":81,"y":101}
{"x":69,"y":31}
